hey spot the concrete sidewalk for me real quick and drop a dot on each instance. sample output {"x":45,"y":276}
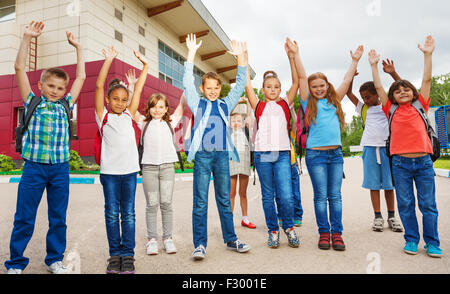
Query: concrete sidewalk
{"x":367,"y":251}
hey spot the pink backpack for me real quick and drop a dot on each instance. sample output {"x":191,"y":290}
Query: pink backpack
{"x":302,"y":128}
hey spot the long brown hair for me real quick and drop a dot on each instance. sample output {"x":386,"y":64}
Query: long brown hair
{"x":331,"y":97}
{"x":152,"y":101}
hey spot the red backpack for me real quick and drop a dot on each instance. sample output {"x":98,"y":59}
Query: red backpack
{"x":99,"y":139}
{"x":302,"y":128}
{"x":260,"y":109}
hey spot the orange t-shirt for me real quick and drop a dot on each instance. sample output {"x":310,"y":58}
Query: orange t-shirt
{"x":408,"y":133}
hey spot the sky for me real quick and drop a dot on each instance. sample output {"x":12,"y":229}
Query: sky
{"x":326,"y":31}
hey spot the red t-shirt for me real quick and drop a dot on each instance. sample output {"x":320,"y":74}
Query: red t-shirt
{"x":408,"y":133}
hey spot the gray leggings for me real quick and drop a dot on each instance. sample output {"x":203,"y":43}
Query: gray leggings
{"x":158,"y":181}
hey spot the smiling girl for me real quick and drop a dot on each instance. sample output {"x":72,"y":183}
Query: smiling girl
{"x":119,"y":162}
{"x":324,"y":159}
{"x":158,"y":172}
{"x":410,"y":148}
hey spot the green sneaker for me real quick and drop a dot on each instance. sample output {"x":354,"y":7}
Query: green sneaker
{"x":280,"y":223}
{"x":433,"y":251}
{"x":298,"y":222}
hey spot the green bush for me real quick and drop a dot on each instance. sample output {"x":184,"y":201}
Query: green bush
{"x":186,"y":164}
{"x":6,"y":163}
{"x":75,"y":162}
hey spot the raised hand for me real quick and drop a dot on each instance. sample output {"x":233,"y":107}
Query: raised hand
{"x":429,"y":45}
{"x":34,"y":29}
{"x":374,"y":57}
{"x":191,"y":42}
{"x":388,"y":66}
{"x":131,"y":77}
{"x":110,"y":53}
{"x":72,"y":41}
{"x":237,"y":48}
{"x":140,"y":57}
{"x":291,"y":46}
{"x":358,"y":53}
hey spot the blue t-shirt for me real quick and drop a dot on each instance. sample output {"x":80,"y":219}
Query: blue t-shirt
{"x":214,"y":137}
{"x":327,"y":129}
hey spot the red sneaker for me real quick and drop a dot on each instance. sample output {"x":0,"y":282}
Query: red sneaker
{"x":250,"y":225}
{"x":324,"y":241}
{"x":338,"y":243}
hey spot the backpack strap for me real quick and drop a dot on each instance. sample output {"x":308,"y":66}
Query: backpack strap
{"x":25,"y":120}
{"x":176,"y":146}
{"x":104,"y":122}
{"x":364,"y":114}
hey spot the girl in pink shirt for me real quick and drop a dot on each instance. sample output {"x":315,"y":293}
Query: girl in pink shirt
{"x":410,"y":147}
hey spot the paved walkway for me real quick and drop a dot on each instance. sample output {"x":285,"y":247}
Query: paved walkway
{"x":367,"y":251}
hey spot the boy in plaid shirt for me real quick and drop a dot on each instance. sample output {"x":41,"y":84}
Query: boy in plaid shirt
{"x":46,"y":152}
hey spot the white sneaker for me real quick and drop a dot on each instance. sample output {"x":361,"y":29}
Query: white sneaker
{"x":58,"y":268}
{"x":14,"y":271}
{"x":169,"y":246}
{"x":152,"y":247}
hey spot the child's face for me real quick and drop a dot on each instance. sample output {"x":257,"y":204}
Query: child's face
{"x":403,"y":95}
{"x":117,"y":100}
{"x":53,"y":88}
{"x":369,"y":98}
{"x":236,"y":122}
{"x":211,"y":89}
{"x":159,"y":110}
{"x":271,"y":89}
{"x":319,"y":88}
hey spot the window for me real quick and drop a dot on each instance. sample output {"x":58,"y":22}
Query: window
{"x":142,"y":31}
{"x":73,"y":119}
{"x":142,"y":49}
{"x":7,"y":10}
{"x":118,"y":36}
{"x":171,"y":67}
{"x":118,"y":14}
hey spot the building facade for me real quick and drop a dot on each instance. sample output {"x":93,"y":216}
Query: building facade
{"x":155,"y":28}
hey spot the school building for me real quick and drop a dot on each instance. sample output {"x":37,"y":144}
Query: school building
{"x":155,"y":28}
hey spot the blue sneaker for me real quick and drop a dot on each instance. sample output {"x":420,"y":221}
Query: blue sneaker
{"x":199,"y":253}
{"x":280,"y":223}
{"x":410,"y":248}
{"x":433,"y":251}
{"x":238,"y":246}
{"x":298,"y":222}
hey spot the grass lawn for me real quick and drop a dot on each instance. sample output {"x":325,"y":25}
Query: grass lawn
{"x":443,"y":163}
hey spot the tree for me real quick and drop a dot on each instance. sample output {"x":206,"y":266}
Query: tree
{"x":440,"y":90}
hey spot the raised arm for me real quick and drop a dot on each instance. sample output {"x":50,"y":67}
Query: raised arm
{"x":192,"y":97}
{"x":374,"y":58}
{"x":252,"y":98}
{"x":179,"y":111}
{"x":109,"y":54}
{"x":389,"y":68}
{"x":295,"y":80}
{"x":238,"y":49}
{"x":139,"y":85}
{"x":248,"y":117}
{"x":427,"y":50}
{"x":81,"y":71}
{"x":33,"y":30}
{"x":350,"y":94}
{"x":343,"y":88}
{"x":131,"y":79}
{"x":301,"y":73}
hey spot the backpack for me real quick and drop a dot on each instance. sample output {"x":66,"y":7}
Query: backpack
{"x":25,"y":121}
{"x":141,"y":146}
{"x":364,"y":115}
{"x":430,"y":131}
{"x":99,"y":136}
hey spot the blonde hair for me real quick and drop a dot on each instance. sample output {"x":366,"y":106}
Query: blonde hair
{"x":332,"y":98}
{"x":54,"y":72}
{"x":152,"y":101}
{"x":212,"y":76}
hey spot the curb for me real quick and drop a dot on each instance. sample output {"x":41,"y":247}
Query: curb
{"x":445,"y":173}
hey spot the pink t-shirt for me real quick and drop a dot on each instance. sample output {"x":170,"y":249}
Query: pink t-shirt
{"x":272,"y":134}
{"x":408,"y":133}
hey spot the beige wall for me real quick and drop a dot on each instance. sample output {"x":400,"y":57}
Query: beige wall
{"x":94,"y":25}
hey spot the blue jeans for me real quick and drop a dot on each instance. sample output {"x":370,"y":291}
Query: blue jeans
{"x":420,"y":171}
{"x":274,"y":172}
{"x":119,"y":192}
{"x":217,"y":163}
{"x":325,"y":168}
{"x":36,"y":177}
{"x":295,"y":179}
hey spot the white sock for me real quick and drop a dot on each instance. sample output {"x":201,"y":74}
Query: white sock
{"x":245,"y":219}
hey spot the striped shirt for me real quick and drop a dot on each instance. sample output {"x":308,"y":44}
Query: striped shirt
{"x":47,"y":138}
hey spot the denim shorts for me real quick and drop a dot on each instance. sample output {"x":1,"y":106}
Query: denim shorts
{"x":377,"y":172}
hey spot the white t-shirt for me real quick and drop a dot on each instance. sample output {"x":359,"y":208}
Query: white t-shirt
{"x":376,"y":130}
{"x":119,"y":151}
{"x":158,"y":142}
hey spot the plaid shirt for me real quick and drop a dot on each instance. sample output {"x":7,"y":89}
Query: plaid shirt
{"x":47,"y":138}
